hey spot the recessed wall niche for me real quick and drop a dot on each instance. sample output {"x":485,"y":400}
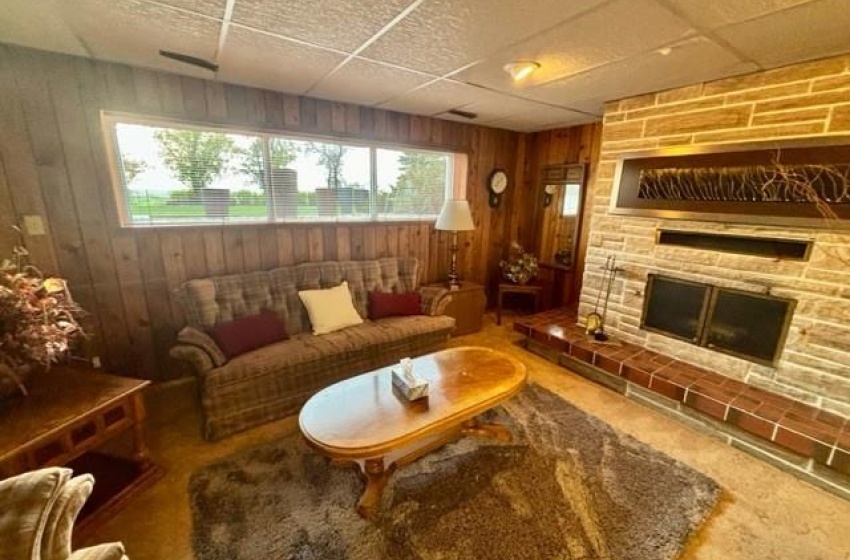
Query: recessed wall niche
{"x":785,"y":249}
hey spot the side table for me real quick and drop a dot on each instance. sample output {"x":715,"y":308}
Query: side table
{"x":509,"y":288}
{"x":467,"y":307}
{"x":68,"y":413}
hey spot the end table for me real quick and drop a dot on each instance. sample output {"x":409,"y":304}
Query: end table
{"x":467,"y":307}
{"x":509,"y":288}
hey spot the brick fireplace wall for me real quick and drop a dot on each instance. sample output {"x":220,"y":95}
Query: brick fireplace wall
{"x":802,"y":101}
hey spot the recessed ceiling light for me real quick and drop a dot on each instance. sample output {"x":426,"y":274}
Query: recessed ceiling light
{"x":664,"y":51}
{"x":521,"y":69}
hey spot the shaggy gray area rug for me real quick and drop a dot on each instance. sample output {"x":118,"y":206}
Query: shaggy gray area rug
{"x":568,"y":487}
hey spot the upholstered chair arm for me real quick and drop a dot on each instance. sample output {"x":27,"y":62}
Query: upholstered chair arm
{"x":25,"y":503}
{"x":56,"y":541}
{"x":434,"y":300}
{"x":199,"y":359}
{"x":108,"y":551}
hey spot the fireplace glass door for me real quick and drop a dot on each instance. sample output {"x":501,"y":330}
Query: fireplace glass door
{"x":745,"y":324}
{"x":677,"y":308}
{"x":748,"y":325}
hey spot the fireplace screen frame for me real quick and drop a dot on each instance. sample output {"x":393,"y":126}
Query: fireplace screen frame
{"x":707,"y":309}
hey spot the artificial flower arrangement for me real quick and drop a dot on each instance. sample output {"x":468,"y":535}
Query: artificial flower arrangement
{"x":520,"y":267}
{"x":38,"y":320}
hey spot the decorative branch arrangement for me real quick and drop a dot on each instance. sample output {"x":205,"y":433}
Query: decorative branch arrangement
{"x":38,"y":319}
{"x":821,"y":185}
{"x":799,"y":186}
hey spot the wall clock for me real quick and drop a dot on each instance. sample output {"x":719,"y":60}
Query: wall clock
{"x":497,"y":184}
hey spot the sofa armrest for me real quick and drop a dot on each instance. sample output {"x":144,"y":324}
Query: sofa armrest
{"x":434,"y":300}
{"x":199,"y":359}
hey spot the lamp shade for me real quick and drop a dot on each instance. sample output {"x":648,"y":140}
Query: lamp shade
{"x":455,"y":216}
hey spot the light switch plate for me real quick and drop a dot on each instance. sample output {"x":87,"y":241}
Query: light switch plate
{"x":33,"y":224}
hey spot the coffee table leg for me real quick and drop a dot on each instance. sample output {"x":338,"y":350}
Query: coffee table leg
{"x":376,"y":480}
{"x":496,"y":431}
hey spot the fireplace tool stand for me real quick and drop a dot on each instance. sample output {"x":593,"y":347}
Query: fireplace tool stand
{"x":595,"y":322}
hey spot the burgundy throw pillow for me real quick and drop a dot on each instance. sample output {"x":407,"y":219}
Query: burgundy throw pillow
{"x":384,"y":304}
{"x":248,"y":333}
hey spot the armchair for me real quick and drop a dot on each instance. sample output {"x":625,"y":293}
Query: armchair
{"x":37,"y":514}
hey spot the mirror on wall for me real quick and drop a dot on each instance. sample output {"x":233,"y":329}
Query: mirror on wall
{"x":563,"y":189}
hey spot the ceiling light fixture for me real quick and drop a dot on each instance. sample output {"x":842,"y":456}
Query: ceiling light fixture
{"x":521,"y":69}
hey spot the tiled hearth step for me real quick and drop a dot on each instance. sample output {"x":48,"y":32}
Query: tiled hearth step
{"x":805,"y":430}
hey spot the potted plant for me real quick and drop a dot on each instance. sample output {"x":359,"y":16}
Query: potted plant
{"x":38,"y":321}
{"x":520,"y":267}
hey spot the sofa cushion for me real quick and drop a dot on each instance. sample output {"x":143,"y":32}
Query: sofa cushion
{"x":248,"y":333}
{"x":218,"y":299}
{"x":384,"y":304}
{"x":331,"y":309}
{"x":309,"y":354}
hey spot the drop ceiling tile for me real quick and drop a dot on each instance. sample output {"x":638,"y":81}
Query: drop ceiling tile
{"x":806,"y":32}
{"x":441,"y":36}
{"x":615,"y":31}
{"x":710,"y":15}
{"x":367,"y":83}
{"x":212,"y":8}
{"x":521,"y":124}
{"x":258,"y":60}
{"x":541,"y":118}
{"x":39,"y":25}
{"x":692,"y":61}
{"x":435,"y":98}
{"x":133,"y":32}
{"x":335,"y":24}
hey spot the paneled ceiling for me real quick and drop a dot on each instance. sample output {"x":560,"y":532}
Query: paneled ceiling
{"x":429,"y":56}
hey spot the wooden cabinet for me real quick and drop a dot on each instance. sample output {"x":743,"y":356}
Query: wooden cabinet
{"x":558,"y":282}
{"x":467,"y":307}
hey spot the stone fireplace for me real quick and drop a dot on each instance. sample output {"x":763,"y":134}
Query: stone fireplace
{"x":807,"y":286}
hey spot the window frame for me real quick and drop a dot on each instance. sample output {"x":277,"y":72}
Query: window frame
{"x":456,"y":185}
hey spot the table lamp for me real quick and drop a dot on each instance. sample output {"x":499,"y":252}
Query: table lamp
{"x":454,"y":217}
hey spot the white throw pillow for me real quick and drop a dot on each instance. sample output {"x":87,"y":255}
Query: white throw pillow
{"x":330,"y":310}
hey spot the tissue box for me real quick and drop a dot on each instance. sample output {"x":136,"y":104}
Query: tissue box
{"x":410,"y":392}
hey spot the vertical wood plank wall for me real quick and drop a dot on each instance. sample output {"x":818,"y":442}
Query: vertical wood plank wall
{"x":577,"y":144}
{"x":53,"y":164}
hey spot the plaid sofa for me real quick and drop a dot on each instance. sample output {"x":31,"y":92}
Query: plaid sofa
{"x":274,"y":381}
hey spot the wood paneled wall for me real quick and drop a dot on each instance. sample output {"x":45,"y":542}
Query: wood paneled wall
{"x":53,"y":164}
{"x":577,"y":144}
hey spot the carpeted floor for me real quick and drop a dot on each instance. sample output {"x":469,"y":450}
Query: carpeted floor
{"x":568,"y":487}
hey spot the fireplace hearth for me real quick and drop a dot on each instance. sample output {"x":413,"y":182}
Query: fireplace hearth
{"x":744,"y":324}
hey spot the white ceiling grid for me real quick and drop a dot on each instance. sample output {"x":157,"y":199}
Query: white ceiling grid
{"x":430,"y":56}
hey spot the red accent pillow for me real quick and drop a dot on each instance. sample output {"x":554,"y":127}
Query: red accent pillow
{"x":248,"y":333}
{"x":386,"y":304}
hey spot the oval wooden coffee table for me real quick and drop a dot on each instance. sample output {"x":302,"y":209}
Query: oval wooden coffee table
{"x":364,"y":421}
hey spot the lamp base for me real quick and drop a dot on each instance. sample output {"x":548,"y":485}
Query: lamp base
{"x":454,"y":277}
